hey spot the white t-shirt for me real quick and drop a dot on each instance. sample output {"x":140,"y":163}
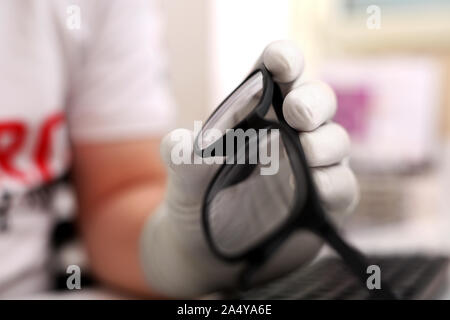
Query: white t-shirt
{"x":105,"y":80}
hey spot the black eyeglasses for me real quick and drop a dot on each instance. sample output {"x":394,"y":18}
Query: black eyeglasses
{"x":286,"y":200}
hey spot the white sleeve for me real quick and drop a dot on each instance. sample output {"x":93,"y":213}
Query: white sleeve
{"x":119,"y":87}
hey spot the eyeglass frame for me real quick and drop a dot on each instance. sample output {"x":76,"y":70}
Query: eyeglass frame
{"x":306,"y":213}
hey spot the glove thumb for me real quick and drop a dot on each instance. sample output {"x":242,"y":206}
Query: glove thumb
{"x":189,"y":173}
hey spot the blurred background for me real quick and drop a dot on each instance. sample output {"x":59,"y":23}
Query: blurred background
{"x":389,"y":63}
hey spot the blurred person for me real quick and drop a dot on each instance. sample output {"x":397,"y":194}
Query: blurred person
{"x":96,"y":99}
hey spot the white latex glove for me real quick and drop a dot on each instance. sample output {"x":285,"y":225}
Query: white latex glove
{"x":175,"y":256}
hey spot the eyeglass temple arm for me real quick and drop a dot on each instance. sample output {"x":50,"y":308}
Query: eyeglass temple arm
{"x":320,"y":225}
{"x":355,"y":261}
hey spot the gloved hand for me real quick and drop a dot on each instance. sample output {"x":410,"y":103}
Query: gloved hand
{"x":175,"y":256}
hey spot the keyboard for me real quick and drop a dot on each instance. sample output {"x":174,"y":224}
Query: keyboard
{"x":409,"y":276}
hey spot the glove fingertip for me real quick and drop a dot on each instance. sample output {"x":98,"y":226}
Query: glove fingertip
{"x":284,"y":60}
